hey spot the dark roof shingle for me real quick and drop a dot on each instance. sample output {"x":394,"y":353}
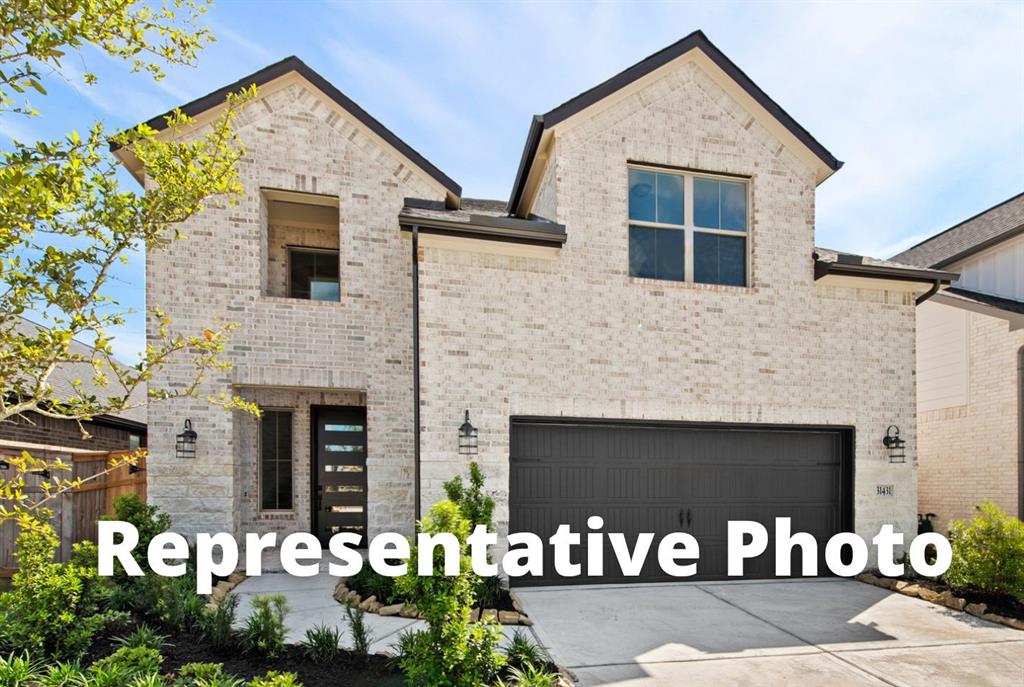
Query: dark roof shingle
{"x":985,"y":229}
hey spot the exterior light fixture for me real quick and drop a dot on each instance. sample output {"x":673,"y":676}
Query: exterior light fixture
{"x":467,"y":438}
{"x":186,"y":445}
{"x":896,"y":445}
{"x":4,"y":465}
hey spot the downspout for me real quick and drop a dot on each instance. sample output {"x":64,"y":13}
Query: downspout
{"x":930,"y":292}
{"x":416,"y":367}
{"x":1020,"y":434}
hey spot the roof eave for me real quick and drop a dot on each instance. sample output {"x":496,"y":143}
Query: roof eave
{"x":497,"y":229}
{"x":290,"y":64}
{"x":823,"y":268}
{"x":829,"y":164}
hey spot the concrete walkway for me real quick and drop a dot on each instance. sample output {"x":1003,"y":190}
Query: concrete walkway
{"x":311,"y":602}
{"x":834,"y":632}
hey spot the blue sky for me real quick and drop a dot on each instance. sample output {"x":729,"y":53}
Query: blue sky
{"x":923,"y":101}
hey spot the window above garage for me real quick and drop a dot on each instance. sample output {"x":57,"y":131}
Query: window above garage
{"x":687,"y":226}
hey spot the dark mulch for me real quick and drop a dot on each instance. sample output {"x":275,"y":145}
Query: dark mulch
{"x":1000,"y":604}
{"x":347,"y":669}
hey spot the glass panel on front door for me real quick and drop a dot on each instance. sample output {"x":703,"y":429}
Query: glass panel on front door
{"x":340,"y":467}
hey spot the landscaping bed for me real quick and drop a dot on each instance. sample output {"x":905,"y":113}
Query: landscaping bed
{"x":346,"y":669}
{"x":375,"y":594}
{"x":1003,"y":609}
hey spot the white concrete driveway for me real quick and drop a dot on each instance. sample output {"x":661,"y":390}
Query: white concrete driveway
{"x":800,"y":632}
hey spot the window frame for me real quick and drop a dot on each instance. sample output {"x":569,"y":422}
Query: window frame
{"x":689,"y":226}
{"x":259,"y":460}
{"x":336,"y":252}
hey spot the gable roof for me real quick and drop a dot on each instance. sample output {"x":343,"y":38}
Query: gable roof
{"x":696,"y":40}
{"x":987,"y":228}
{"x":294,"y":64}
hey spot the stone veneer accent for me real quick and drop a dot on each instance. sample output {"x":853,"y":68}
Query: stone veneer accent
{"x":505,"y":336}
{"x":969,"y":454}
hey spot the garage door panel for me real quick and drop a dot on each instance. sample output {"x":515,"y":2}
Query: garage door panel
{"x":644,"y":478}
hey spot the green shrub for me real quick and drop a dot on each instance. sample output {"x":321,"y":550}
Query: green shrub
{"x":52,"y":610}
{"x":217,"y":624}
{"x":488,"y":591}
{"x":176,"y":605}
{"x":530,"y":675}
{"x":476,"y":506}
{"x":401,"y":648}
{"x":126,"y":664}
{"x":450,"y":651}
{"x":151,"y":680}
{"x":264,"y":631}
{"x":275,"y":679}
{"x":148,"y":520}
{"x":522,"y":652}
{"x":63,"y":675}
{"x":361,"y":635}
{"x":368,"y":582}
{"x":16,"y":671}
{"x":144,"y":636}
{"x":988,"y":552}
{"x":205,"y":675}
{"x":321,"y":643}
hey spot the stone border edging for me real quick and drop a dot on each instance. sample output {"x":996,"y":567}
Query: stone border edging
{"x":223,"y":588}
{"x":346,"y":596}
{"x":946,"y":598}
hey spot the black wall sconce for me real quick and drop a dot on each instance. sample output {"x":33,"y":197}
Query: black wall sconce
{"x":467,"y":438}
{"x":186,"y":445}
{"x":896,"y":445}
{"x":4,"y":465}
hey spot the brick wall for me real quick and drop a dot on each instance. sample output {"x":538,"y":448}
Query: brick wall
{"x":504,"y":335}
{"x":295,"y":141}
{"x":576,"y":336}
{"x":969,"y":454}
{"x":52,"y":432}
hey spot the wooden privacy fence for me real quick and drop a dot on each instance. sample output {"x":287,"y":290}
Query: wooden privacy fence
{"x":75,"y":513}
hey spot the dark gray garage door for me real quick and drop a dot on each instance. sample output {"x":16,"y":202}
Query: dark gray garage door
{"x":664,"y":478}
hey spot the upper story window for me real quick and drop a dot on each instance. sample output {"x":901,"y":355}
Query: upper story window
{"x":687,"y":227}
{"x":302,"y":252}
{"x":313,"y":274}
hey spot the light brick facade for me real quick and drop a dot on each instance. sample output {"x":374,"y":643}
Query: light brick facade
{"x":506,"y":335}
{"x":359,"y":348}
{"x":969,"y":453}
{"x":576,"y":336}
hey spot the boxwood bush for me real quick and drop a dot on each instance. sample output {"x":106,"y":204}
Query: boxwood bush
{"x":988,"y":553}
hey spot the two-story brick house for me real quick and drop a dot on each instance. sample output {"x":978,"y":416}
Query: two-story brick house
{"x":643,"y":331}
{"x":970,"y":361}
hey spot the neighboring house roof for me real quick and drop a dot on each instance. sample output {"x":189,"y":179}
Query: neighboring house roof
{"x":1004,"y":308}
{"x":828,"y":261}
{"x":294,"y":64}
{"x":696,"y":40}
{"x":984,"y":230}
{"x":62,"y":378}
{"x":480,"y":219}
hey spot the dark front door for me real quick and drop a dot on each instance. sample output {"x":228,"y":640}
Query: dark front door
{"x":339,"y":489}
{"x":663,"y":478}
